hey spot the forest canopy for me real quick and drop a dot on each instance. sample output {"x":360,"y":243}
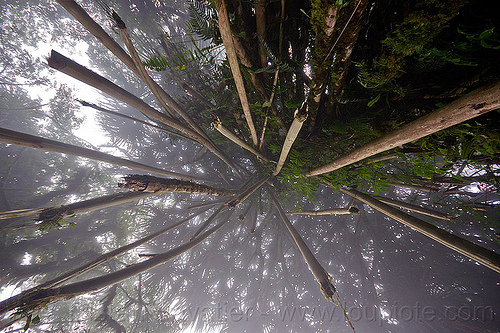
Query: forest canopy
{"x":336,"y":161}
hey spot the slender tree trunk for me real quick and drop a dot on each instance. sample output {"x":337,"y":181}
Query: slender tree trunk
{"x":243,"y":215}
{"x":110,"y":255}
{"x":95,"y":29}
{"x":79,"y":72}
{"x":19,"y":213}
{"x":105,"y":318}
{"x":246,"y":193}
{"x":324,"y":19}
{"x":212,"y":217}
{"x":55,"y":214}
{"x":476,"y":103}
{"x":298,"y":120}
{"x":417,"y":209}
{"x":431,"y":188}
{"x":34,"y":299}
{"x":27,"y":140}
{"x":260,"y":22}
{"x":334,"y":211}
{"x":345,"y":42}
{"x":147,"y":183}
{"x":217,"y":124}
{"x":485,"y":257}
{"x":227,"y":38}
{"x":321,"y":276}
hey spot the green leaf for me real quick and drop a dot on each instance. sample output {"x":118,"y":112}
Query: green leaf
{"x":266,"y":104}
{"x":28,"y":322}
{"x":373,"y":101}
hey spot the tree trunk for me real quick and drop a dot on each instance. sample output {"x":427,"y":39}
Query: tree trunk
{"x":212,"y":217}
{"x":474,"y":104}
{"x":147,"y":183}
{"x":110,"y":255}
{"x":334,"y":211}
{"x":34,"y":299}
{"x":485,"y":257}
{"x":227,"y":38}
{"x":79,"y":72}
{"x":321,"y":276}
{"x":298,"y":120}
{"x":246,"y":193}
{"x":324,"y":16}
{"x":27,"y":140}
{"x":417,"y":209}
{"x":79,"y":14}
{"x":217,"y":124}
{"x":52,"y":215}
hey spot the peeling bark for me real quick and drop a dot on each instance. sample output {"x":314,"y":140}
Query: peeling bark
{"x":298,"y":120}
{"x":145,"y":183}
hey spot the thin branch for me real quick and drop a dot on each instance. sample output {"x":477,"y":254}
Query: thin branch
{"x":417,"y":209}
{"x":217,"y":124}
{"x":334,"y":211}
{"x":98,"y":108}
{"x":33,"y":299}
{"x":322,"y":277}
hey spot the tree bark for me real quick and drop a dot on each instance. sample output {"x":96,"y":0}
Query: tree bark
{"x":212,"y":217}
{"x":227,"y":38}
{"x":217,"y":124}
{"x":27,"y":140}
{"x":52,"y":215}
{"x":145,"y":183}
{"x":246,"y":193}
{"x":321,"y":276}
{"x":110,"y":255}
{"x":484,"y":256}
{"x":298,"y":120}
{"x":476,"y":103}
{"x":324,"y":16}
{"x":334,"y":211}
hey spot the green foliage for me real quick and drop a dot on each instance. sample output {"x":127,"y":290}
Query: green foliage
{"x":203,"y":20}
{"x":418,"y":29}
{"x":291,"y":174}
{"x":469,"y":141}
{"x":460,"y":52}
{"x":31,"y":320}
